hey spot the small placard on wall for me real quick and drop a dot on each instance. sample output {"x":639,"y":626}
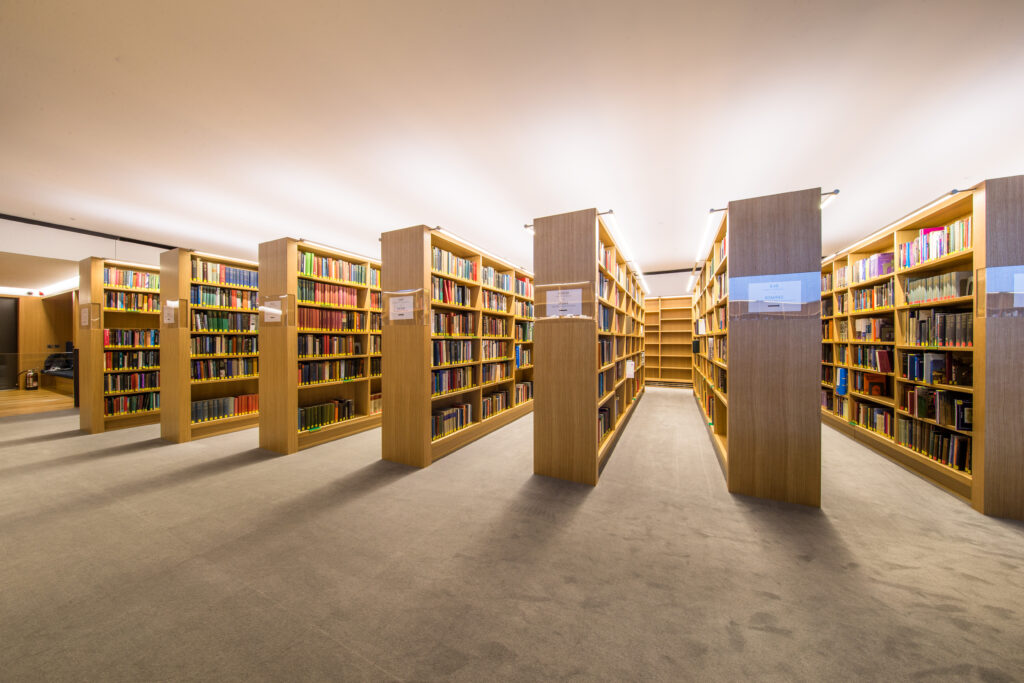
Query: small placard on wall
{"x":781,"y":296}
{"x":401,"y":308}
{"x":83,"y":314}
{"x":630,"y":368}
{"x":170,"y":313}
{"x":565,"y":303}
{"x":271,"y":311}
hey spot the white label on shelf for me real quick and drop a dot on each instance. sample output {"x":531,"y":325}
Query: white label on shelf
{"x":774,"y":297}
{"x":1018,"y":290}
{"x":565,"y":303}
{"x":169,"y":313}
{"x":630,"y":368}
{"x":84,"y":316}
{"x":271,"y":311}
{"x":401,"y":307}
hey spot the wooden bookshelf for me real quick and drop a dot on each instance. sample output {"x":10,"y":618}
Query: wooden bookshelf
{"x":751,"y":354}
{"x":668,"y":340}
{"x":483,"y":345}
{"x":209,"y":345}
{"x":111,"y":394}
{"x":984,"y":373}
{"x":585,"y":397}
{"x":322,"y":319}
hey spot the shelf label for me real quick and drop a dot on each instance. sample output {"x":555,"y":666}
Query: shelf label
{"x":84,"y":316}
{"x":271,"y":311}
{"x":774,"y":297}
{"x":630,"y":369}
{"x":170,"y":312}
{"x":782,"y":294}
{"x":402,"y":307}
{"x":565,"y":303}
{"x":1018,"y":290}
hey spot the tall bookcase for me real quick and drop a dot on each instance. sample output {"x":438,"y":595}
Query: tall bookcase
{"x":668,"y":340}
{"x":930,"y":343}
{"x":119,"y":344}
{"x":590,"y":354}
{"x":450,"y":371}
{"x":209,"y":345}
{"x":319,"y":344}
{"x":755,"y":299}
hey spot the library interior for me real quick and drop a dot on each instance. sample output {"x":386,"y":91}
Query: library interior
{"x":472,"y":341}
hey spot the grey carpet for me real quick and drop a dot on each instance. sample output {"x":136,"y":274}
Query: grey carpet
{"x":125,"y":558}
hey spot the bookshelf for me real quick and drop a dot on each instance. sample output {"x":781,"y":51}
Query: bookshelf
{"x":668,"y":340}
{"x":209,"y":346}
{"x":949,"y":349}
{"x":751,"y":349}
{"x":585,"y":391}
{"x":319,"y":344}
{"x":451,"y":370}
{"x":119,"y":344}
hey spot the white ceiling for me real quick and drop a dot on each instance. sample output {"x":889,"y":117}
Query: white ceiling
{"x":217,"y":125}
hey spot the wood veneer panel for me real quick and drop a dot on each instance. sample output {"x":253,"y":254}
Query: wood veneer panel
{"x":278,"y":379}
{"x":90,"y":356}
{"x":175,"y":390}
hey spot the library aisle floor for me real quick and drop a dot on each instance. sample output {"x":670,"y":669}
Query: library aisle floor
{"x":127,"y":558}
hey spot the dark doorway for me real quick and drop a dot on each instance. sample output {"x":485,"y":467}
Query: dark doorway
{"x":8,"y":343}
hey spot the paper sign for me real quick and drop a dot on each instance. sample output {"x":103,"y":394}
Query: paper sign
{"x":774,"y":297}
{"x":564,"y":303}
{"x":169,"y":313}
{"x":1018,"y":290}
{"x":630,"y":368}
{"x":401,"y":308}
{"x":84,"y":316}
{"x":271,"y":312}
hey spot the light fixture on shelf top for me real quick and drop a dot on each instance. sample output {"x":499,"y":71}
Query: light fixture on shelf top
{"x":707,"y":231}
{"x":828,"y":197}
{"x":134,"y":264}
{"x":227,"y":258}
{"x":611,"y":222}
{"x":475,"y":247}
{"x":343,"y":252}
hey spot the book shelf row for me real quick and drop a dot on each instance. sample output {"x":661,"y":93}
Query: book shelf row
{"x":668,"y":340}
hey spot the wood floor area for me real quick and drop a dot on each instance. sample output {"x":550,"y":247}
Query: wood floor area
{"x":21,"y":402}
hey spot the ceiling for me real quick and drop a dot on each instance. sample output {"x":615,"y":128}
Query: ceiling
{"x":34,"y":272}
{"x":216,"y":125}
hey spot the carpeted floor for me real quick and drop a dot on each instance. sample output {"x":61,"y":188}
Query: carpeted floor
{"x":126,"y":558}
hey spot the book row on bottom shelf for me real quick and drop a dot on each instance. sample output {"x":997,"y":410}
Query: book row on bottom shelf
{"x":132,"y":403}
{"x":221,"y":408}
{"x":130,"y":360}
{"x":117,"y":382}
{"x":313,"y":372}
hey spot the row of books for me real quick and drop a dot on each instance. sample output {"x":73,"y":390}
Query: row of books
{"x":443,"y":381}
{"x":449,"y":420}
{"x":130,"y":381}
{"x":210,"y":295}
{"x":934,"y":243}
{"x":827,"y":400}
{"x":922,"y":290}
{"x":605,"y":351}
{"x":524,"y":331}
{"x":329,"y":345}
{"x":948,"y":408}
{"x":210,"y":271}
{"x":842,"y":330}
{"x":937,"y":368}
{"x":209,"y":344}
{"x":523,"y":309}
{"x":842,"y":274}
{"x":871,"y":383}
{"x":606,"y":416}
{"x":874,"y":329}
{"x":873,"y":266}
{"x":492,"y":278}
{"x":224,"y":368}
{"x":324,"y":414}
{"x":376,"y":403}
{"x":494,"y":327}
{"x":842,"y":303}
{"x":605,"y":317}
{"x":873,"y":417}
{"x":491,"y":349}
{"x":220,"y":408}
{"x":494,"y":301}
{"x":130,"y":360}
{"x":315,"y":372}
{"x":450,"y":323}
{"x":131,"y":301}
{"x":828,"y":374}
{"x":376,"y":343}
{"x":131,"y":337}
{"x":313,"y":292}
{"x":605,"y":288}
{"x":826,"y":282}
{"x":603,"y":384}
{"x":375,"y":367}
{"x":720,"y":349}
{"x":605,"y":257}
{"x":451,"y":352}
{"x":492,"y":404}
{"x":377,"y":301}
{"x":953,"y":450}
{"x":524,"y":356}
{"x":122,"y":277}
{"x":444,"y":261}
{"x":494,"y":372}
{"x":330,"y":320}
{"x":875,"y":357}
{"x":448,"y":292}
{"x":827,"y":307}
{"x":131,"y":403}
{"x":879,"y":296}
{"x":928,"y":327}
{"x":524,"y":286}
{"x":217,"y":321}
{"x":524,"y":392}
{"x":330,"y":268}
{"x":720,"y":378}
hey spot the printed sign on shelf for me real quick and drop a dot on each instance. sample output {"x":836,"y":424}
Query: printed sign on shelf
{"x":271,"y":311}
{"x":565,"y":303}
{"x":401,"y":307}
{"x":774,"y":297}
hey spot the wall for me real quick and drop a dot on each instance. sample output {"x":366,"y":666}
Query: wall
{"x":22,"y":238}
{"x":44,"y":325}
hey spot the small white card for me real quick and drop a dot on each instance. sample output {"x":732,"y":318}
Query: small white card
{"x":565,"y":303}
{"x":401,"y":308}
{"x":169,"y":313}
{"x":774,"y":297}
{"x":630,"y":368}
{"x":84,"y":316}
{"x":1018,"y":290}
{"x":271,"y":312}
